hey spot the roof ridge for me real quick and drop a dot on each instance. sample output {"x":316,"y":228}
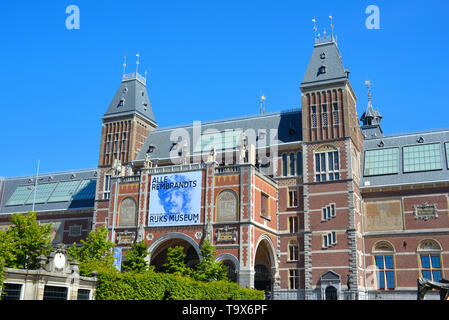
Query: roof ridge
{"x":247,"y":117}
{"x":50,"y":173}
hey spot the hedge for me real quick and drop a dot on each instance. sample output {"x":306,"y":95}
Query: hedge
{"x":161,"y":286}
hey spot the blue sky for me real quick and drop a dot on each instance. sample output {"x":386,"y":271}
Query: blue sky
{"x":206,"y":60}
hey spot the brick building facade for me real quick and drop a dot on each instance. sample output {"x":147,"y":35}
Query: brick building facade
{"x":307,"y":204}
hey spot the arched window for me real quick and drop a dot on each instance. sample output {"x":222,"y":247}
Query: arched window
{"x":127,"y":213}
{"x":293,"y":250}
{"x":383,"y":255}
{"x":429,"y":252}
{"x":227,"y":206}
{"x":327,"y":164}
{"x":331,"y":293}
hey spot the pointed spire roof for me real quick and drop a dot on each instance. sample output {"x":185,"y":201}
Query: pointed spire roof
{"x":131,"y":97}
{"x":325,"y":65}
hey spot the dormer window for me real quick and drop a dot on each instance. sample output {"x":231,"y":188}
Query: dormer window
{"x":121,"y":102}
{"x":151,"y":149}
{"x":322,"y":69}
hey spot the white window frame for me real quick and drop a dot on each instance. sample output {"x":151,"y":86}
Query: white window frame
{"x":329,"y":239}
{"x":326,"y":173}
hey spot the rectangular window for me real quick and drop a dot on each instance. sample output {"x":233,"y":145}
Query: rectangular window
{"x":431,"y":267}
{"x":284,"y":165}
{"x":11,"y":291}
{"x":293,"y":224}
{"x":292,"y":164}
{"x":379,"y":162}
{"x":107,"y":186}
{"x":328,"y":212}
{"x":335,"y":113}
{"x":292,"y":198}
{"x":324,"y":110}
{"x":55,"y":293}
{"x":75,"y":231}
{"x":293,"y":254}
{"x":264,"y":206}
{"x":314,"y":122}
{"x":20,"y":195}
{"x":447,"y":153}
{"x":385,"y":272}
{"x":299,"y":163}
{"x":327,"y":166}
{"x":329,"y":239}
{"x":293,"y":279}
{"x":83,"y":294}
{"x":422,"y":157}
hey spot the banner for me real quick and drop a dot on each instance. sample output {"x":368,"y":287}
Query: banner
{"x":117,"y":254}
{"x":175,"y":199}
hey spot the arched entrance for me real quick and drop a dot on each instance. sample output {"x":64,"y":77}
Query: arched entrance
{"x":158,"y":250}
{"x":264,"y":265}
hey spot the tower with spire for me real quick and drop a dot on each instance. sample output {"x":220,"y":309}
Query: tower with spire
{"x":125,"y":126}
{"x":332,"y":146}
{"x":371,"y":118}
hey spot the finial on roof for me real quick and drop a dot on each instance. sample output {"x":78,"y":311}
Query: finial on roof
{"x":262,"y":104}
{"x":368,"y":85}
{"x":332,"y":26}
{"x":124,"y":65}
{"x":146,"y":76}
{"x":137,"y":62}
{"x":314,"y":26}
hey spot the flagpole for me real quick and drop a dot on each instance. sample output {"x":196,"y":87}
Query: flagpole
{"x":35,"y":182}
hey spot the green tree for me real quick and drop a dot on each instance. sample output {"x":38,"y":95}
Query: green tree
{"x":135,"y":258}
{"x":95,"y":252}
{"x":24,"y":241}
{"x":207,"y":269}
{"x":175,"y":262}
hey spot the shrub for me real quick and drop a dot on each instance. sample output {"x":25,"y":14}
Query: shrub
{"x":161,"y":286}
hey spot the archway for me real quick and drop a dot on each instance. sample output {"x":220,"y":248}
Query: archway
{"x":159,"y":249}
{"x":264,"y":265}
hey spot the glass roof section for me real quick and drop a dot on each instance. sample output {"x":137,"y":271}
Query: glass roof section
{"x":422,"y":157}
{"x":382,"y":161}
{"x":86,"y":190}
{"x":43,"y":192}
{"x":64,"y":191}
{"x":219,"y":140}
{"x":20,"y":195}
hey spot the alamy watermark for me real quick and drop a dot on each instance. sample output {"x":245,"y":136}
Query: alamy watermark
{"x":373,"y":20}
{"x":73,"y":20}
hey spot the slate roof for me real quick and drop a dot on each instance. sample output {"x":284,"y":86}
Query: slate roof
{"x":324,"y":54}
{"x":440,"y":136}
{"x":133,"y":93}
{"x":74,"y":202}
{"x":287,"y":123}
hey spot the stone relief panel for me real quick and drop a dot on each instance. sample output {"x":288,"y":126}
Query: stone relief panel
{"x":383,"y":216}
{"x":227,"y":206}
{"x":128,"y":212}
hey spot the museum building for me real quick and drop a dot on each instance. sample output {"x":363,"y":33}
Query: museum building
{"x":313,"y":203}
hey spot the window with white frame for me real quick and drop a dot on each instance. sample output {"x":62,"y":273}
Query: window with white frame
{"x":325,"y":118}
{"x":328,"y":212}
{"x":292,"y":198}
{"x":107,"y":186}
{"x":293,"y":250}
{"x":75,"y":230}
{"x":293,"y":279}
{"x":327,"y":166}
{"x":329,"y":239}
{"x":335,"y":112}
{"x":314,"y":122}
{"x":293,"y":224}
